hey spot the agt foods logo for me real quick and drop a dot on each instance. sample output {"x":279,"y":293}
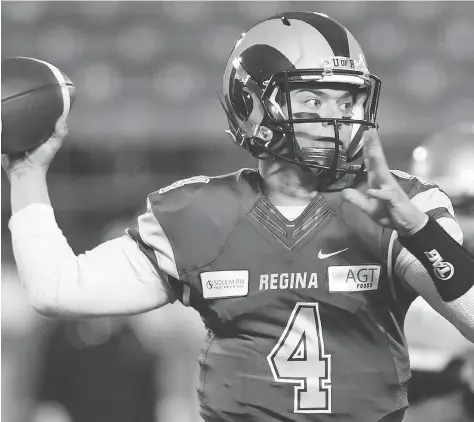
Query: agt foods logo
{"x":353,"y":278}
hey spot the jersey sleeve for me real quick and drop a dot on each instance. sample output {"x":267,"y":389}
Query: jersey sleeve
{"x":186,"y":225}
{"x":152,"y":240}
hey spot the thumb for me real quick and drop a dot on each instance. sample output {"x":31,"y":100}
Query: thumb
{"x":60,"y":132}
{"x":358,"y":199}
{"x":60,"y":129}
{"x":6,"y":163}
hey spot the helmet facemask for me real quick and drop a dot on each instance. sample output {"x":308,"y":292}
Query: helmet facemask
{"x":274,"y":135}
{"x":320,"y":136}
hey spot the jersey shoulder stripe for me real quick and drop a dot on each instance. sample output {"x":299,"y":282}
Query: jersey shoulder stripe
{"x":150,"y":233}
{"x":412,"y":185}
{"x":424,"y":194}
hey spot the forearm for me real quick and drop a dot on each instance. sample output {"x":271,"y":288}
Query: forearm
{"x":460,"y":311}
{"x":38,"y":257}
{"x":451,"y":267}
{"x":114,"y":278}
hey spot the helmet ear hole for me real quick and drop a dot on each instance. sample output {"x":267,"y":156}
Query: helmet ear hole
{"x":275,"y":104}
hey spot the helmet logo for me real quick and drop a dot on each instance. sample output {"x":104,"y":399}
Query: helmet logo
{"x":343,"y":63}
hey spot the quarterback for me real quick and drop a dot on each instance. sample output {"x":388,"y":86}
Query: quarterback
{"x":301,"y":269}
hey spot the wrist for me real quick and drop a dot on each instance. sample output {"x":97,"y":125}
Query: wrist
{"x":422,"y":220}
{"x":27,"y":173}
{"x":28,"y":187}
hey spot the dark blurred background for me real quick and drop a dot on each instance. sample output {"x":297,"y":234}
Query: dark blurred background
{"x":147,"y":114}
{"x":146,"y":73}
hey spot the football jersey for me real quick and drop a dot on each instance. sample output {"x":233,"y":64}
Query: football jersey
{"x":304,"y":317}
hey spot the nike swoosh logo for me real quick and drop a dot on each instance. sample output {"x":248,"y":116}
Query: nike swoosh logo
{"x":322,"y":255}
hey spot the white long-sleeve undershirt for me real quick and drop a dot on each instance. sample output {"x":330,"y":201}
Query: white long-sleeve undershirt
{"x":113,"y":278}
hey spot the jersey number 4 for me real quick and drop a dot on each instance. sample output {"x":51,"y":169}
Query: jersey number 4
{"x":299,"y":358}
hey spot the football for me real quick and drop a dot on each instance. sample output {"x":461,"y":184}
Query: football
{"x":34,"y":95}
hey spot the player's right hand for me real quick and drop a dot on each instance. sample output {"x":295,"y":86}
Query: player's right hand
{"x":385,"y":202}
{"x":38,"y":159}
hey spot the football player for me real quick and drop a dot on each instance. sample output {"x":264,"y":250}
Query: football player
{"x":303,"y":289}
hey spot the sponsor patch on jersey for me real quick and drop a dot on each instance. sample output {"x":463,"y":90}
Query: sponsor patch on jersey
{"x":220,"y":284}
{"x":179,"y":183}
{"x":353,"y":278}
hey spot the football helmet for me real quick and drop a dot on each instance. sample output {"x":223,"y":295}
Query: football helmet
{"x":286,"y":52}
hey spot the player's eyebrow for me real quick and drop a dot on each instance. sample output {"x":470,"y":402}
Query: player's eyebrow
{"x":312,"y":91}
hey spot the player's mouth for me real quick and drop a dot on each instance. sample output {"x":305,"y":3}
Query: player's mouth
{"x":326,"y":142}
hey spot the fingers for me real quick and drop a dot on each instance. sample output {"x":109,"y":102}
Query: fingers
{"x":358,"y":199}
{"x":375,"y":160}
{"x":382,"y":194}
{"x":5,"y":161}
{"x":57,"y":138}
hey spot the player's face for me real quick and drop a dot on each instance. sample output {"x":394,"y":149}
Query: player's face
{"x":311,"y":101}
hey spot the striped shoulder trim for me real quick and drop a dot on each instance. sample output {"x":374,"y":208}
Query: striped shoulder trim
{"x":431,"y":199}
{"x":153,"y":235}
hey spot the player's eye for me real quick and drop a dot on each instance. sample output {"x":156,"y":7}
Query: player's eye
{"x":346,"y":107}
{"x":313,"y":102}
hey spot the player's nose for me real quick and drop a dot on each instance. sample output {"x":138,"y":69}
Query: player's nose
{"x":331,"y":111}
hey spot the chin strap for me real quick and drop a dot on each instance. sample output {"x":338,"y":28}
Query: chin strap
{"x":322,"y":156}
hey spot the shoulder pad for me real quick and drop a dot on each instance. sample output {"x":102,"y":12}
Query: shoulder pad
{"x":198,"y":214}
{"x":412,"y":185}
{"x":425,"y":195}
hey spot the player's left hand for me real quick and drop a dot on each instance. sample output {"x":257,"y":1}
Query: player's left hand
{"x":385,"y":201}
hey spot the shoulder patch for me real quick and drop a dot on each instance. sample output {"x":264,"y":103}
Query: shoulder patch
{"x":179,"y":183}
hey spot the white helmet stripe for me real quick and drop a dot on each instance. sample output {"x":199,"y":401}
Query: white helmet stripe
{"x":354,"y":49}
